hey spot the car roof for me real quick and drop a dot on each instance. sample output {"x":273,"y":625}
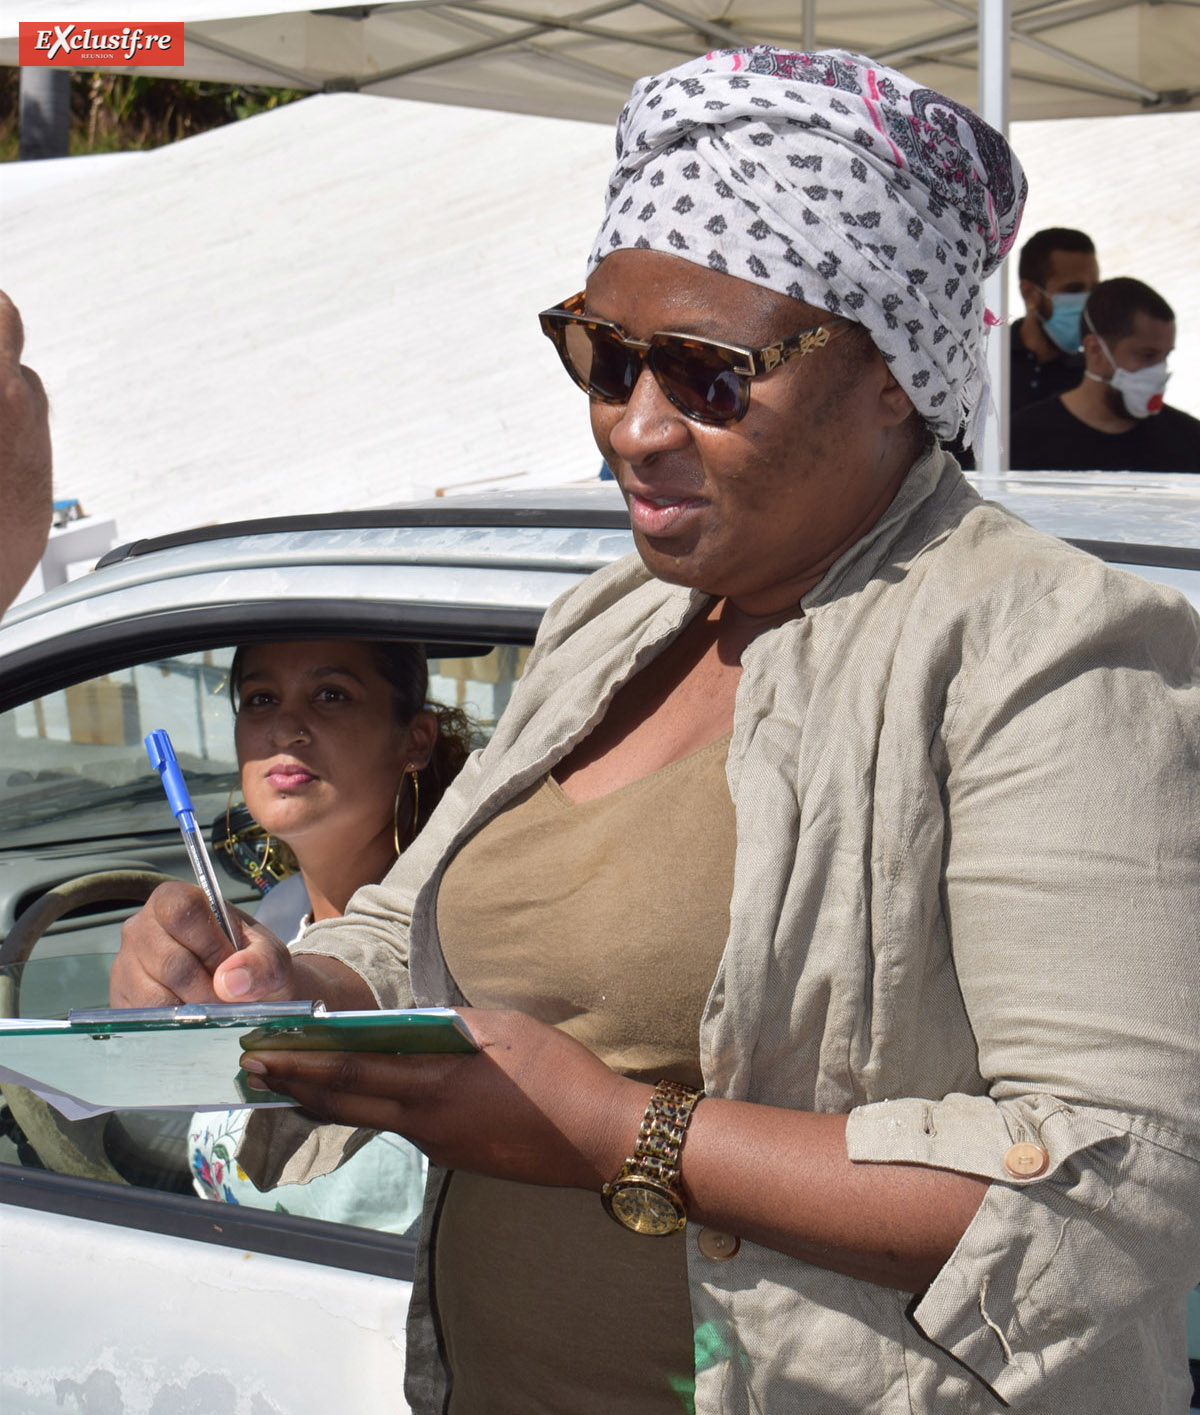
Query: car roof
{"x":599,"y":506}
{"x":461,"y":573}
{"x":1146,"y":522}
{"x":457,"y":576}
{"x":1131,"y":507}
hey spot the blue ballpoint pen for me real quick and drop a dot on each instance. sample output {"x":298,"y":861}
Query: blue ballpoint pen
{"x":163,"y":760}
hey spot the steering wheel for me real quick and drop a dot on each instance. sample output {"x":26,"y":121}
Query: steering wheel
{"x":67,"y":1147}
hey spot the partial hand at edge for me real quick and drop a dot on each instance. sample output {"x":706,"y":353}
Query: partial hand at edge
{"x":25,"y":459}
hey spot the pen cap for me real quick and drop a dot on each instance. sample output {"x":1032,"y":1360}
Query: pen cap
{"x":163,"y":760}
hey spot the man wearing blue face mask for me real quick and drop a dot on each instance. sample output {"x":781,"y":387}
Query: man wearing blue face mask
{"x":1115,"y":419}
{"x":1057,"y":271}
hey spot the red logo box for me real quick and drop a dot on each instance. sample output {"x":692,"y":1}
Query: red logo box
{"x":74,"y":46}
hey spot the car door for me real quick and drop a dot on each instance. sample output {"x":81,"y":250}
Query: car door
{"x":123,"y":1290}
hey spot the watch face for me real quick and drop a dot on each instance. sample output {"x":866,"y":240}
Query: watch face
{"x":644,"y":1208}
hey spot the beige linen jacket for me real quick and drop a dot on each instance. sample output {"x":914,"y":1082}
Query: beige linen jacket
{"x":967,"y":785}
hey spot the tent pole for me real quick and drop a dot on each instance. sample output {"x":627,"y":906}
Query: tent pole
{"x":45,"y":104}
{"x":991,"y":453}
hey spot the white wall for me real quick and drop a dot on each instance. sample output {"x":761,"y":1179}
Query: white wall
{"x":1133,"y":184}
{"x":330,"y":305}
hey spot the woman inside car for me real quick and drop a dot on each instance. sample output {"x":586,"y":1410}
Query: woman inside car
{"x":341,"y":759}
{"x":824,"y":902}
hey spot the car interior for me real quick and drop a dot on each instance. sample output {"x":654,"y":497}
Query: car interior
{"x":86,"y":834}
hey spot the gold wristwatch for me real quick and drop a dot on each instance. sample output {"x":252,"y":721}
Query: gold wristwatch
{"x":646,"y":1196}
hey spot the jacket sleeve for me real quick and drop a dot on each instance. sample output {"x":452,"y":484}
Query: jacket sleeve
{"x":1070,"y":761}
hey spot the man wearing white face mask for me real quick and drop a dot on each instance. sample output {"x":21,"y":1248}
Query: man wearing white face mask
{"x":1115,"y":420}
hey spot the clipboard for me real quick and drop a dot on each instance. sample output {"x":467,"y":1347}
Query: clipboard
{"x":186,"y":1057}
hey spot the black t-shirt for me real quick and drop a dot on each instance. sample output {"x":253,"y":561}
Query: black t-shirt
{"x":1045,"y":436}
{"x":1030,"y":381}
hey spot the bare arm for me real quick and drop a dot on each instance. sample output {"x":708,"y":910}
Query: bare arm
{"x":783,"y":1179}
{"x":537,"y":1106}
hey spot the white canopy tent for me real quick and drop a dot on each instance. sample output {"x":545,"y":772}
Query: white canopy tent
{"x":577,"y":58}
{"x":329,"y":305}
{"x":333,"y":303}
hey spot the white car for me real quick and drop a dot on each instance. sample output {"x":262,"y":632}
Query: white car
{"x":122,"y":1290}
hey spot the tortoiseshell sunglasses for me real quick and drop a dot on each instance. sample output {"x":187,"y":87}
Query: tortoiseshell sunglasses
{"x":706,"y":380}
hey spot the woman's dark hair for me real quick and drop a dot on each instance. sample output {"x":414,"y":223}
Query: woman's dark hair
{"x":404,"y":668}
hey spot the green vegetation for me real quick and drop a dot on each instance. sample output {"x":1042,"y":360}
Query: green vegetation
{"x":127,"y":112}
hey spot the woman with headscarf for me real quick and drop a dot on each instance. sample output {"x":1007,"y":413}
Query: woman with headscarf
{"x":850,"y":799}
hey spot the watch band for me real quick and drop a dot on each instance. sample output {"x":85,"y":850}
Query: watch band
{"x":660,"y":1138}
{"x":653,"y":1167}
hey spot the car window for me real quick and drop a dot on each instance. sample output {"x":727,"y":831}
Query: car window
{"x":481,"y":686}
{"x":78,"y":798}
{"x":73,"y":765}
{"x":73,"y":762}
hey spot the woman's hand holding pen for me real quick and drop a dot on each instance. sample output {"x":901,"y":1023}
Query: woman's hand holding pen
{"x":173,"y":950}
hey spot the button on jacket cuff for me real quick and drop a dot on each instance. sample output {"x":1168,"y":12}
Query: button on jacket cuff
{"x":1004,"y":1304}
{"x":973,"y":1134}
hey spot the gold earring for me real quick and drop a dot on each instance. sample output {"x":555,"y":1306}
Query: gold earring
{"x":416,"y":793}
{"x":411,"y":771}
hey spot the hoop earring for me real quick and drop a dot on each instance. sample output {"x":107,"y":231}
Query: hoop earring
{"x":411,"y":772}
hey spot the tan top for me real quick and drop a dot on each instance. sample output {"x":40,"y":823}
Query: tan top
{"x":605,"y":918}
{"x":610,"y":925}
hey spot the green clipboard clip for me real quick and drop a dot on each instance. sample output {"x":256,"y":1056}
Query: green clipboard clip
{"x":105,"y":1020}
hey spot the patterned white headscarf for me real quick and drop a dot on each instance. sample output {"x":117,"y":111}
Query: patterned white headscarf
{"x":839,"y":182}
